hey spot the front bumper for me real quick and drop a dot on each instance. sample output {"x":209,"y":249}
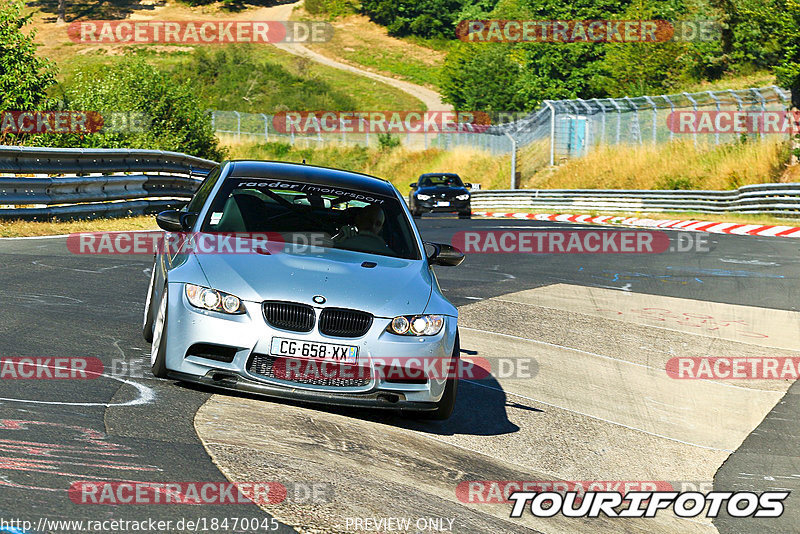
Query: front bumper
{"x":431,"y":207}
{"x":250,"y":334}
{"x":235,"y":382}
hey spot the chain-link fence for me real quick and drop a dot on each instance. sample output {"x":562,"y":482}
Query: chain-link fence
{"x":259,"y":127}
{"x":558,"y":130}
{"x":574,"y":127}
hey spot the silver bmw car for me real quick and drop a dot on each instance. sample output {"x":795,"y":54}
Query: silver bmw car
{"x":327,"y":295}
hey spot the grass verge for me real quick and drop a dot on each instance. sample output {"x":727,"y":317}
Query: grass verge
{"x":43,"y":228}
{"x":675,"y":165}
{"x":399,"y":165}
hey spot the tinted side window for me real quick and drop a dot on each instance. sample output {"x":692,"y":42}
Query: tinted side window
{"x":201,"y":195}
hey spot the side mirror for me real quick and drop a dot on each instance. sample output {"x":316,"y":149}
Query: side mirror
{"x":413,"y":185}
{"x":468,"y":185}
{"x":443,"y":254}
{"x":175,"y":221}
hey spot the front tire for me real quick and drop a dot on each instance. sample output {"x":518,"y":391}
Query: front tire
{"x":158,"y":350}
{"x":465,"y":215}
{"x":147,"y":322}
{"x":448,"y":401}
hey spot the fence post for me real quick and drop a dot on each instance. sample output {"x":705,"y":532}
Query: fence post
{"x":655,"y":117}
{"x":513,"y":160}
{"x":716,"y":102}
{"x":589,"y":122}
{"x":694,"y":106}
{"x":671,"y":111}
{"x":602,"y":120}
{"x":238,"y":126}
{"x":619,"y":117}
{"x":266,"y":128}
{"x":549,"y":104}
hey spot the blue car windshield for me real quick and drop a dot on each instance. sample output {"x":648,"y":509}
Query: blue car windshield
{"x":327,"y":216}
{"x":447,"y":180}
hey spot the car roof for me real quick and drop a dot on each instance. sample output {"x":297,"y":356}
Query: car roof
{"x":310,"y":174}
{"x":439,"y":174}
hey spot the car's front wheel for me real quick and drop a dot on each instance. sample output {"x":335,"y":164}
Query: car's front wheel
{"x":147,"y":322}
{"x":158,"y":350}
{"x":447,"y":403}
{"x":464,"y":214}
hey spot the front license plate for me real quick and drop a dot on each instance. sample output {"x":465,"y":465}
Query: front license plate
{"x":443,"y":203}
{"x":329,"y":352}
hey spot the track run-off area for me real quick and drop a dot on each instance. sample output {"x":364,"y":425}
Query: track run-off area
{"x":579,"y":346}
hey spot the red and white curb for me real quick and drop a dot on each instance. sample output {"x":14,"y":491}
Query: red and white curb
{"x":676,"y":224}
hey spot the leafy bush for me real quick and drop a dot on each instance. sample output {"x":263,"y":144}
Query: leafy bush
{"x":388,"y":141}
{"x":424,"y":18}
{"x":175,"y":119}
{"x":24,"y":77}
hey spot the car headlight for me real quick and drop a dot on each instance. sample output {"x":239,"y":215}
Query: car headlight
{"x":210,"y":299}
{"x":416,"y":325}
{"x":465,"y":196}
{"x":423,"y":197}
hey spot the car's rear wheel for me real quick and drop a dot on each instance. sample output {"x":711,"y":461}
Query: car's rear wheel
{"x":147,"y":322}
{"x":158,"y":350}
{"x":447,"y":403}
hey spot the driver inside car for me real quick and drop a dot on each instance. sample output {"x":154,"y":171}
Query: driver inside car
{"x":365,"y":234}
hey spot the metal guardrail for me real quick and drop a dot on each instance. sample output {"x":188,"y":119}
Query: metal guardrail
{"x":774,"y":199}
{"x":41,"y":183}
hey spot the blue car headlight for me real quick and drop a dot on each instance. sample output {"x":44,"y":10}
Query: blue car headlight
{"x":423,"y":197}
{"x":416,"y":325}
{"x":206,"y":298}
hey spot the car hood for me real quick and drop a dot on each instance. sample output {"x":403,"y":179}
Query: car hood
{"x":438,"y":190}
{"x":392,"y":287}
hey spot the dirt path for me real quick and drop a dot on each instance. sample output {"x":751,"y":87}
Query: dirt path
{"x":431,"y":99}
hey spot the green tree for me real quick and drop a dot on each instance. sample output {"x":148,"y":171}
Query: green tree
{"x":24,"y":77}
{"x":166,"y":115}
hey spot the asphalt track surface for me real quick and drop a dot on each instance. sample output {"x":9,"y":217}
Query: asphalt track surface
{"x":598,"y":405}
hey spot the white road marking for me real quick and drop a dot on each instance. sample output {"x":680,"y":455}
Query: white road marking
{"x":146,"y":394}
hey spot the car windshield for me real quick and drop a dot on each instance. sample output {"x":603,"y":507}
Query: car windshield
{"x":327,"y":216}
{"x":449,"y":180}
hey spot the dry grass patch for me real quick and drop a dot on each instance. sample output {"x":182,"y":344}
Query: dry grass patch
{"x":17,"y":228}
